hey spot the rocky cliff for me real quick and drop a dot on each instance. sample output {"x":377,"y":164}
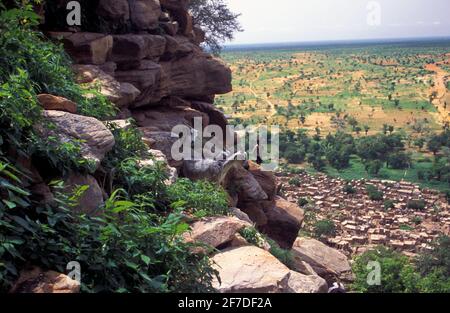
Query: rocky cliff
{"x":145,"y":56}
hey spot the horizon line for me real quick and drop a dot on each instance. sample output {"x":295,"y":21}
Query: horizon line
{"x":341,"y":41}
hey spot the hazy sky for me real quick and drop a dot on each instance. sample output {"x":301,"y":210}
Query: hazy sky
{"x":268,"y":21}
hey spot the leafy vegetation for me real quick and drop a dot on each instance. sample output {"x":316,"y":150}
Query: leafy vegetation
{"x":135,"y":245}
{"x":428,"y":273}
{"x":202,"y":197}
{"x":373,"y":193}
{"x":324,"y":228}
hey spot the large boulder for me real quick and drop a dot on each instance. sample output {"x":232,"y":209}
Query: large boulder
{"x":248,"y":269}
{"x":197,"y":75}
{"x":165,"y":119}
{"x":284,"y":220}
{"x":144,"y":14}
{"x":121,"y":94}
{"x":94,"y":138}
{"x":91,"y":199}
{"x":215,"y":231}
{"x":265,"y":179}
{"x":148,"y":78}
{"x":35,"y":280}
{"x":162,"y":141}
{"x":327,"y":262}
{"x":51,"y":102}
{"x":133,"y":47}
{"x":299,"y":283}
{"x":216,"y":117}
{"x":86,"y":48}
{"x":114,"y":10}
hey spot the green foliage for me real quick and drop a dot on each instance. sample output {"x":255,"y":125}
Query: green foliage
{"x":252,"y":236}
{"x":397,"y":275}
{"x":324,"y":228}
{"x":388,"y":204}
{"x":429,"y":273}
{"x":399,"y":160}
{"x":125,"y":250}
{"x":302,"y":202}
{"x":284,"y":256}
{"x":217,"y":20}
{"x":128,"y":144}
{"x":295,"y":181}
{"x":200,"y":196}
{"x":373,"y":193}
{"x":416,"y":205}
{"x":138,"y":179}
{"x":129,"y":250}
{"x":47,"y":66}
{"x":349,"y":189}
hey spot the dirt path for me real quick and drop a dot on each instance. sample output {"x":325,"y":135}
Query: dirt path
{"x":265,"y":98}
{"x":440,"y":88}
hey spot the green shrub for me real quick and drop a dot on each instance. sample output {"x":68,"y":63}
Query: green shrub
{"x":373,"y":193}
{"x":416,"y":205}
{"x":324,"y":228}
{"x":200,"y":196}
{"x":397,"y":274}
{"x":128,"y":144}
{"x":125,"y":250}
{"x":349,"y":189}
{"x":388,"y":204}
{"x":302,"y":202}
{"x":137,"y":179}
{"x":284,"y":256}
{"x":48,"y":67}
{"x":295,"y":181}
{"x":253,"y":237}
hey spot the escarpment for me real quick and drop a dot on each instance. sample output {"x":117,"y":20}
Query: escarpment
{"x":145,"y":57}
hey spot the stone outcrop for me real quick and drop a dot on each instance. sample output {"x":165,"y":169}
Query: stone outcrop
{"x":253,"y":270}
{"x":326,"y":262}
{"x":92,"y":197}
{"x":94,"y":138}
{"x":215,"y":231}
{"x":51,"y":102}
{"x":35,"y":280}
{"x":149,"y":63}
{"x":284,"y":220}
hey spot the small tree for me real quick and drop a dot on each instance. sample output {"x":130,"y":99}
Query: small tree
{"x":217,"y":20}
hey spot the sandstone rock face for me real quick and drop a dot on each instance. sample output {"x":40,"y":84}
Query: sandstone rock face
{"x":114,"y":10}
{"x":241,"y":215}
{"x":121,"y":94}
{"x":284,"y":221}
{"x":215,"y":231}
{"x":197,"y":75}
{"x":147,"y":78}
{"x":248,"y":269}
{"x":216,"y":117}
{"x":327,"y":262}
{"x":86,"y":48}
{"x":265,"y":179}
{"x":35,"y":280}
{"x":131,"y":47}
{"x":299,"y":283}
{"x":96,"y":139}
{"x":51,"y":102}
{"x":91,"y":199}
{"x":165,"y":119}
{"x":145,"y":13}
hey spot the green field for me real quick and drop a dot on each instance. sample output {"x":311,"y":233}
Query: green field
{"x":359,"y":90}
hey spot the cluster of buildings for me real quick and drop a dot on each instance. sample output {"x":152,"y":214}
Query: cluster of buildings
{"x":362,"y":223}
